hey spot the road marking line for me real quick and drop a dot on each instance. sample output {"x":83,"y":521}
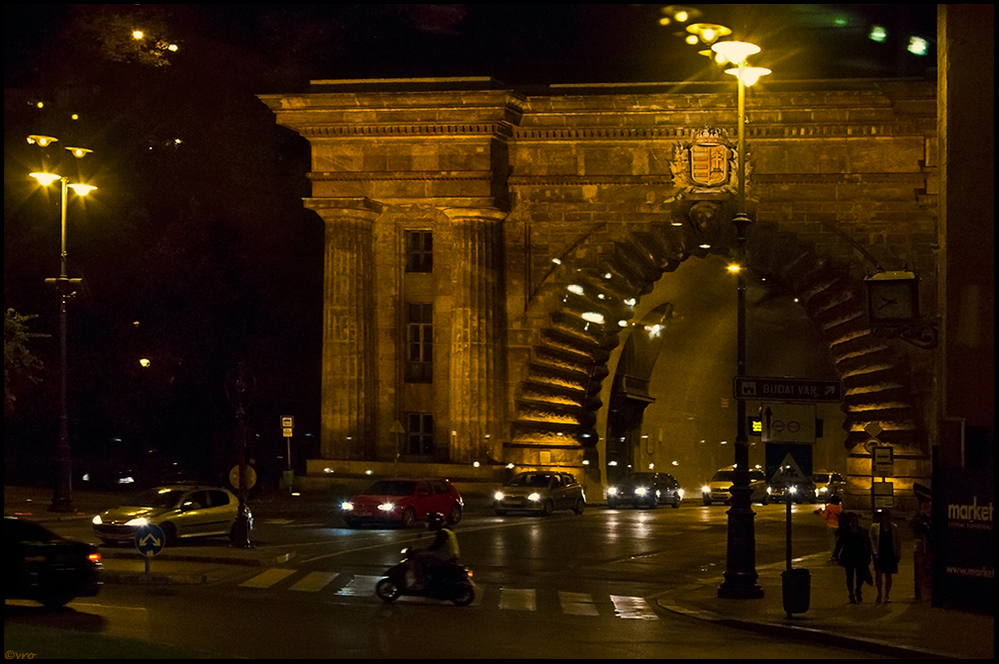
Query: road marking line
{"x":632,"y":608}
{"x":268,"y":578}
{"x":518,"y":599}
{"x":359,"y":586}
{"x":314,"y":582}
{"x":577,"y":604}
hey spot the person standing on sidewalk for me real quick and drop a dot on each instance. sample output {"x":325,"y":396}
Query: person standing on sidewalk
{"x":830,"y":513}
{"x":886,"y":544}
{"x":853,"y":551}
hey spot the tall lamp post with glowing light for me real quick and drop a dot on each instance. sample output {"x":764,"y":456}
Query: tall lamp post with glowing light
{"x":740,"y":570}
{"x":62,"y":495}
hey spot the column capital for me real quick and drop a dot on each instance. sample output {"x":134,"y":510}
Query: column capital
{"x":359,"y":206}
{"x":486,"y":213}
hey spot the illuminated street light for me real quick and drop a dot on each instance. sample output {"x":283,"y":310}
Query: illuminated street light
{"x":62,"y":494}
{"x":740,"y":570}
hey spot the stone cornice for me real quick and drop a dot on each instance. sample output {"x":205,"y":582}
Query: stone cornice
{"x":407,"y":130}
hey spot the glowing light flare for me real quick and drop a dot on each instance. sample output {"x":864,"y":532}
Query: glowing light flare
{"x":748,"y":75}
{"x":735,"y":51}
{"x":45,"y":179}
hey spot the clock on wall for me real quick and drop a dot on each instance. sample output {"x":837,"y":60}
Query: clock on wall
{"x":892,"y":298}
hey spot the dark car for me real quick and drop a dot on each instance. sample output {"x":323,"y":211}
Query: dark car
{"x":45,"y":567}
{"x":541,"y":492}
{"x":797,"y":491}
{"x":645,"y":490}
{"x":403,"y":502}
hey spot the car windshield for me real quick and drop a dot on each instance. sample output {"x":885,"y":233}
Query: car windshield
{"x":640,"y":479}
{"x":392,"y":488}
{"x":724,"y":476}
{"x":530,"y":479}
{"x":156,"y":498}
{"x":822,"y":478}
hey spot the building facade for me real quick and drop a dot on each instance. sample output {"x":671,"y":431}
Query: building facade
{"x":488,"y":250}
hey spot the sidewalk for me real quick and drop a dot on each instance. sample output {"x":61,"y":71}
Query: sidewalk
{"x":904,"y":628}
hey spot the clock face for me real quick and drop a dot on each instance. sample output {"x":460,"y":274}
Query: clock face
{"x":891,"y":300}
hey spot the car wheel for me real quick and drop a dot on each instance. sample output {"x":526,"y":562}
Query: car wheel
{"x":408,"y":517}
{"x":464,"y":594}
{"x":580,"y":506}
{"x":454,"y":516}
{"x":676,"y":500}
{"x":500,"y":512}
{"x":547,"y":508}
{"x":351,"y":523}
{"x":56,"y":601}
{"x":612,"y":504}
{"x":169,"y":534}
{"x":387,"y":590}
{"x":765,"y":500}
{"x":707,"y":501}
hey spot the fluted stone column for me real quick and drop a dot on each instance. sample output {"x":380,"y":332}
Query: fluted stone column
{"x":348,"y":372}
{"x":476,"y":401}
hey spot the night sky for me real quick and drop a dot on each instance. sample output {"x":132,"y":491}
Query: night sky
{"x":196,"y":250}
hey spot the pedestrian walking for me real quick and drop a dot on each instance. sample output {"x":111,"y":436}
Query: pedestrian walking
{"x":853,"y":551}
{"x":830,"y":514}
{"x":886,"y":546}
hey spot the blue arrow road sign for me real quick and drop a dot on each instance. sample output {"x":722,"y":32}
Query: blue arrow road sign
{"x":149,"y":540}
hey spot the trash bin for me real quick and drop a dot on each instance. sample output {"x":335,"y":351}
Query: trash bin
{"x":796,"y":590}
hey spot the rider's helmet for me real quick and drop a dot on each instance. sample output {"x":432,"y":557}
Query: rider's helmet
{"x":435,"y":521}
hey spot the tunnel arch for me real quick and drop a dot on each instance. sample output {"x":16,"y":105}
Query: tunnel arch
{"x":591,"y":295}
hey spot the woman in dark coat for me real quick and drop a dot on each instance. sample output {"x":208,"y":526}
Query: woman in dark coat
{"x":853,"y":551}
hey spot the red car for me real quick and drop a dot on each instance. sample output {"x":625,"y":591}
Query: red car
{"x":403,"y":502}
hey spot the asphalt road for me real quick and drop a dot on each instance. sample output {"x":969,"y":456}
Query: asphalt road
{"x":565,"y":586}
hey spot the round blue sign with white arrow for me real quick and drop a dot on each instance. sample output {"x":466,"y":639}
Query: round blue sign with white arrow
{"x":149,"y":540}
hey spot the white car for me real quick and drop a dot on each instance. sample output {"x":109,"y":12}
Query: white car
{"x":719,"y":488}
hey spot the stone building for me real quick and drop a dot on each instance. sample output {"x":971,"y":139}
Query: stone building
{"x":493,"y":258}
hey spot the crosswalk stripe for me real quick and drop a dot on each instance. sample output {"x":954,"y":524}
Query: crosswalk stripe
{"x":577,"y":604}
{"x":268,"y":578}
{"x":314,"y":582}
{"x":518,"y":599}
{"x":359,"y":586}
{"x":632,"y":608}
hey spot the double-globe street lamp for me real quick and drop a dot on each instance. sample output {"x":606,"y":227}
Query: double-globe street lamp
{"x":62,"y":495}
{"x":740,"y":569}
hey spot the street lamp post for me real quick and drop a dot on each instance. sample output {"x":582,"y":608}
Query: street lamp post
{"x":740,"y":570}
{"x":62,"y":494}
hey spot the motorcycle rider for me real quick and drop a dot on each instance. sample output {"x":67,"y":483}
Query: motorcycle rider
{"x":442,"y":551}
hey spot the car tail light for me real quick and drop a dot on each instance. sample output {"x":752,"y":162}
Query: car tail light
{"x":94,"y":557}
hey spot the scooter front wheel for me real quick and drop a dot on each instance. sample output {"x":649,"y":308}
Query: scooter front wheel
{"x":464,"y":595}
{"x":388,"y":590}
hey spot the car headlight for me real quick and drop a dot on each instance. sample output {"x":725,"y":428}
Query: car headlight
{"x":347,"y":506}
{"x":613,"y":491}
{"x":97,"y":520}
{"x":705,"y":489}
{"x":387,"y":507}
{"x":641,"y":491}
{"x":138,"y":521}
{"x":498,"y":495}
{"x":534,"y":497}
{"x":679,"y":492}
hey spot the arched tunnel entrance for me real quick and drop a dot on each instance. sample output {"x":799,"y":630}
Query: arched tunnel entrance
{"x":671,"y":407}
{"x":592,"y":382}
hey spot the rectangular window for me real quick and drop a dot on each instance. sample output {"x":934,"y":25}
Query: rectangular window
{"x":419,"y":433}
{"x":419,"y":343}
{"x":419,"y":251}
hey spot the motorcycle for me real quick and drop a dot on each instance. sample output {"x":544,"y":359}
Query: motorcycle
{"x":451,"y":582}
